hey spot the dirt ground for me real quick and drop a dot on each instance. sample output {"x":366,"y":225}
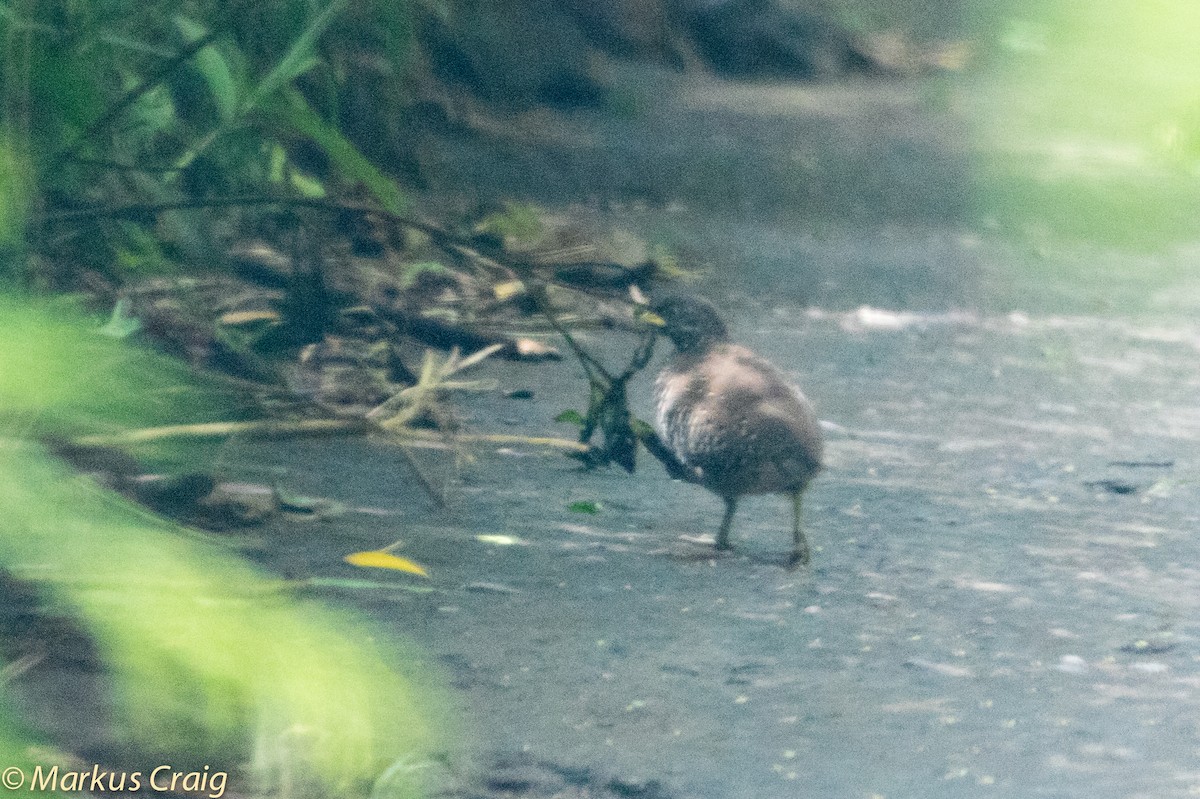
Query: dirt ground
{"x":1000,"y":602}
{"x":1002,"y":595}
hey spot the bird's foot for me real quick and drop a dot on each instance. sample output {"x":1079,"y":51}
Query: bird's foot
{"x":798,"y":558}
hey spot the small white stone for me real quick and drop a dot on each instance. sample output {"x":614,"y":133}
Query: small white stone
{"x":1072,"y":664}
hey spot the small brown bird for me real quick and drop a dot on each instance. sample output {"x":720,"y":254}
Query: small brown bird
{"x":731,"y":418}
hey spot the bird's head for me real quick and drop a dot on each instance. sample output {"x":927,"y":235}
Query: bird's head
{"x":691,"y":323}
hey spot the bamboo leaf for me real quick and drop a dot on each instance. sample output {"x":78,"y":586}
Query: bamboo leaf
{"x":298,"y":59}
{"x":215,"y":69}
{"x":290,"y":108}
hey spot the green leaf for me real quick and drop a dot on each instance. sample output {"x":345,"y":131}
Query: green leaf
{"x":307,"y":186}
{"x":413,"y":271}
{"x":141,"y":251}
{"x":122,"y":323}
{"x":520,"y":221}
{"x":152,"y":114}
{"x":199,"y":650}
{"x":640,"y":427}
{"x":202,"y":653}
{"x":291,"y":109}
{"x":215,"y":69}
{"x":298,"y":59}
{"x":278,"y":163}
{"x":570,"y":415}
{"x":585,"y":507}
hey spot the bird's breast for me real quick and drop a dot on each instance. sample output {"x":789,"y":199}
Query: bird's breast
{"x":734,"y":420}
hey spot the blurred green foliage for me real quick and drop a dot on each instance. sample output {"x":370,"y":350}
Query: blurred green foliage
{"x":210,"y":661}
{"x":59,"y":376}
{"x":116,"y":103}
{"x":15,"y":739}
{"x":15,"y":197}
{"x":1084,"y":118}
{"x":110,"y":104}
{"x":1089,"y":122}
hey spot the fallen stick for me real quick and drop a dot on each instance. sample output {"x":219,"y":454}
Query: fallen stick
{"x":316,"y":427}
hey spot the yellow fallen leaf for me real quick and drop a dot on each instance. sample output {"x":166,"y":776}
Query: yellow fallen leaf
{"x":508,"y":289}
{"x":651,"y":318}
{"x":378,"y":559}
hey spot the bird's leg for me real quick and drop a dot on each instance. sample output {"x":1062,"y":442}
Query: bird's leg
{"x":799,"y":543}
{"x":726,"y":523}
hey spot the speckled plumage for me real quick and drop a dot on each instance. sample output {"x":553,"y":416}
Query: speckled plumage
{"x":731,"y":417}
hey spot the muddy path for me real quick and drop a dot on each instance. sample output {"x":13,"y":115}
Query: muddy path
{"x":1003,"y":591}
{"x":1001,"y":600}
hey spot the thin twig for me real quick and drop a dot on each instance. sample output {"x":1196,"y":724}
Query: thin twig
{"x":259,"y":429}
{"x":437,"y":495}
{"x":315,"y":427}
{"x":20,"y":666}
{"x":589,"y":364}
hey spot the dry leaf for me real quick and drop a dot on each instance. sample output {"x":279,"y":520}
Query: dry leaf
{"x":529,"y":349}
{"x":508,"y":289}
{"x":378,"y":559}
{"x":237,"y":318}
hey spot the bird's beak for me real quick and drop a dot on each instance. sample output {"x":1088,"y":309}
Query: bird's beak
{"x":649,"y":317}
